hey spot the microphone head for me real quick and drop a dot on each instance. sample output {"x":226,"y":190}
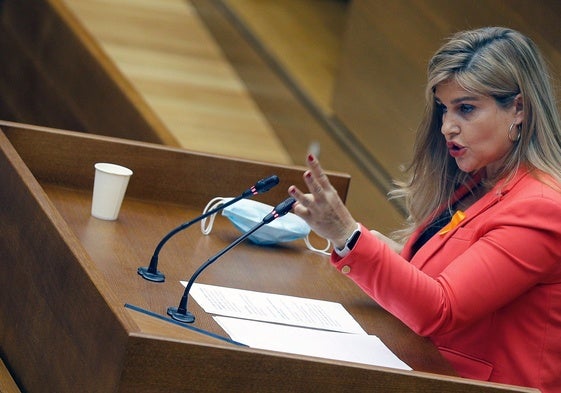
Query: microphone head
{"x":284,"y":207}
{"x":265,"y":185}
{"x":280,"y":210}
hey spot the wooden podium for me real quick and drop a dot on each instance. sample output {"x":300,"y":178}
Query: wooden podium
{"x":67,"y":276}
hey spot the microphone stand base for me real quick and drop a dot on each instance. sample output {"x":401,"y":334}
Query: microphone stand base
{"x":186,"y":317}
{"x":147,"y":275}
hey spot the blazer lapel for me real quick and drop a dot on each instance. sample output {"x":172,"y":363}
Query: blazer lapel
{"x":488,"y":200}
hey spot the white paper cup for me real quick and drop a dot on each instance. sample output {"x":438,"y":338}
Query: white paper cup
{"x":110,"y":184}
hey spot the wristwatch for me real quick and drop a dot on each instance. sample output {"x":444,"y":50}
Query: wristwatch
{"x":349,"y":244}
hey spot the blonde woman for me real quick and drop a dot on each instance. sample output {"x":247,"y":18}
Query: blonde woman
{"x":478,"y":267}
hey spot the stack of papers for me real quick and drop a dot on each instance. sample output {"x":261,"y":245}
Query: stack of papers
{"x":293,"y":325}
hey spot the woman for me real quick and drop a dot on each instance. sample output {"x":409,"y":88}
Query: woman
{"x":479,"y":271}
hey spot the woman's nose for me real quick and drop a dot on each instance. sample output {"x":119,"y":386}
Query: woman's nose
{"x":448,"y":125}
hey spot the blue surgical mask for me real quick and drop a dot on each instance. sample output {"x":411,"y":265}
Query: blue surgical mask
{"x":247,"y":213}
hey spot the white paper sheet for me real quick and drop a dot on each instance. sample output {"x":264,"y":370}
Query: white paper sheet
{"x":267,"y":307}
{"x":358,"y":348}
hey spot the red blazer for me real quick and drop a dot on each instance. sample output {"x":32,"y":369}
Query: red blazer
{"x":488,"y":292}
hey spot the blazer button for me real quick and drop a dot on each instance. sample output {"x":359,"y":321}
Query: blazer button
{"x":346,"y":269}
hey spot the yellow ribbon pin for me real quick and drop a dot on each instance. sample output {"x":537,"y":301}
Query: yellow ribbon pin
{"x":456,"y":219}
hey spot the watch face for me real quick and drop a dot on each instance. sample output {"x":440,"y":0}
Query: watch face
{"x":354,"y":238}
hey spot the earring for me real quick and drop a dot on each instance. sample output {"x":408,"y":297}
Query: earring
{"x":516,"y":138}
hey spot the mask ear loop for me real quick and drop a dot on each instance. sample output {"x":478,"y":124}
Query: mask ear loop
{"x":310,"y":247}
{"x":213,"y":204}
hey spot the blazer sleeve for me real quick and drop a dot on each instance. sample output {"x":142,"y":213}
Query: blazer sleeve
{"x":511,"y":250}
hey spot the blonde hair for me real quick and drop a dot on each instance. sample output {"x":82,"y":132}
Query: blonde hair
{"x":500,"y":63}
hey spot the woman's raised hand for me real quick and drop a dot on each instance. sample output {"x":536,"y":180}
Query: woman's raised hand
{"x":322,"y":208}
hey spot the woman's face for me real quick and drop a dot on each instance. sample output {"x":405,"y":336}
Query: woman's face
{"x":476,"y":127}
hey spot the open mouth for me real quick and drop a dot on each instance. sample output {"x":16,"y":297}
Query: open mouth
{"x":454,"y":149}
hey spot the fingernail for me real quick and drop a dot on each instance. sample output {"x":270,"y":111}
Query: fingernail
{"x":292,"y":190}
{"x":308,"y":175}
{"x":310,"y":157}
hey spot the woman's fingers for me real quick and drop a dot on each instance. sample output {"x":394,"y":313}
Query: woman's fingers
{"x":318,"y":183}
{"x":313,"y":185}
{"x":300,"y":208}
{"x":317,"y":172}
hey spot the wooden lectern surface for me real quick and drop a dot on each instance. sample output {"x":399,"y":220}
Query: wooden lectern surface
{"x":63,"y":323}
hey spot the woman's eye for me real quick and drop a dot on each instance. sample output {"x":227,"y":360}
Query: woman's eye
{"x":465,"y":108}
{"x":441,"y":108}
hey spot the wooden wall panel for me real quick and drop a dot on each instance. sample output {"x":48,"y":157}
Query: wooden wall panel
{"x":55,"y":75}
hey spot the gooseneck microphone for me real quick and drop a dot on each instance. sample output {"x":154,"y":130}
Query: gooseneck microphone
{"x":152,"y":273}
{"x":180,"y":313}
